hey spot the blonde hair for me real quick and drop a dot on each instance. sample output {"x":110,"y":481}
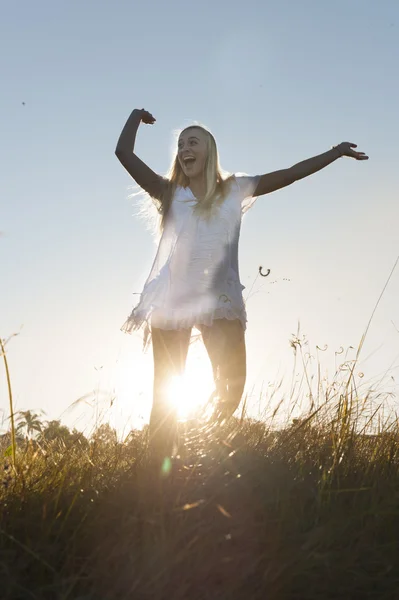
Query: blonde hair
{"x":216,"y":181}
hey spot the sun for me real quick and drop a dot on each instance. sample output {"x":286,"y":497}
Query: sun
{"x":191,"y":391}
{"x":133,"y":387}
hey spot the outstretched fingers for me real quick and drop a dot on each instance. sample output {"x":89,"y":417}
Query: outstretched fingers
{"x":347,"y":149}
{"x":359,"y":155}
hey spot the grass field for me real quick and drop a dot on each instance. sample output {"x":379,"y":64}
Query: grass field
{"x":310,"y":510}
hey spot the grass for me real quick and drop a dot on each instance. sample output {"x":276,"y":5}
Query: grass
{"x":310,"y":511}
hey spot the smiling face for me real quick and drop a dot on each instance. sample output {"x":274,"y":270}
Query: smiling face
{"x":193,"y":151}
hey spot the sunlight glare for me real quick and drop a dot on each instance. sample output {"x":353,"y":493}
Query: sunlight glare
{"x":134,"y":387}
{"x":190,"y":392}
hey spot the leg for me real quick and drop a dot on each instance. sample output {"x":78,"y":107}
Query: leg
{"x":170,"y":349}
{"x":225,"y":344}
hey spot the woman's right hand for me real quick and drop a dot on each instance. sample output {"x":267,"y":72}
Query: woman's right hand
{"x":145,"y":116}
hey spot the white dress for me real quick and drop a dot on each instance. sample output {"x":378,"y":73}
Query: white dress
{"x":195,"y":278}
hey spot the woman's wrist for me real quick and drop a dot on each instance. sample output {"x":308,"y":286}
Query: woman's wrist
{"x":338,"y":149}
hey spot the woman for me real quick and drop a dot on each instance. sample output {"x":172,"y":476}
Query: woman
{"x":194,"y":281}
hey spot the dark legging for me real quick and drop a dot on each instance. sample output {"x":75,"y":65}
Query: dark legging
{"x":225,"y":343}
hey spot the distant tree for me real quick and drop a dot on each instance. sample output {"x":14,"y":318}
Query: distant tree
{"x":6,"y":441}
{"x":29,"y":423}
{"x":78,"y":439}
{"x":136,"y":437}
{"x":54,"y":430}
{"x":105,"y":434}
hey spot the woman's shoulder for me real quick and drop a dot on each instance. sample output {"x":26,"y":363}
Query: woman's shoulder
{"x":236,"y":179}
{"x":245,"y":184}
{"x":232,"y":183}
{"x":228,"y":183}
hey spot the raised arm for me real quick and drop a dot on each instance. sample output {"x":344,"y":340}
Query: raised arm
{"x":146,"y":178}
{"x":271,"y":182}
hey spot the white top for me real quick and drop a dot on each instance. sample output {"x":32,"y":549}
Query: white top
{"x":195,"y":278}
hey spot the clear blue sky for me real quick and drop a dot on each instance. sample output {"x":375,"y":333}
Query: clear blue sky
{"x":277,"y":82}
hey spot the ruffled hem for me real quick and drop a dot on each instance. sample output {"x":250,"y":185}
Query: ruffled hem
{"x":135,"y":322}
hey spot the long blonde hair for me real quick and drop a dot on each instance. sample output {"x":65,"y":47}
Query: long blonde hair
{"x":216,"y":181}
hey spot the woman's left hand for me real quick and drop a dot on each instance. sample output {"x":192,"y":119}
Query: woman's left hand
{"x":346,"y":149}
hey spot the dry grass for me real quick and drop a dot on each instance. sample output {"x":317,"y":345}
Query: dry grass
{"x":310,"y":511}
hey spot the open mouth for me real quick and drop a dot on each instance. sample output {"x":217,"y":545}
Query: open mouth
{"x":188,"y":161}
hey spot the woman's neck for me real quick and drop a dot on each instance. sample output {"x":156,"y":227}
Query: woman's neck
{"x":198,"y":187}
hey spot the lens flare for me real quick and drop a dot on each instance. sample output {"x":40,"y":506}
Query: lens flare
{"x":188,"y":393}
